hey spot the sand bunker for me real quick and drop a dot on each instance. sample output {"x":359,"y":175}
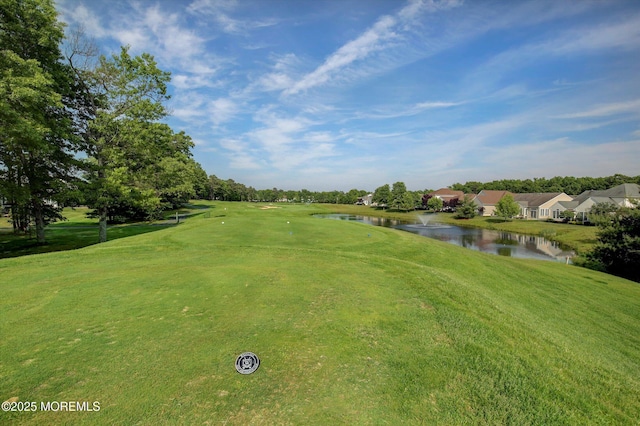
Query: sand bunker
{"x":268,"y":207}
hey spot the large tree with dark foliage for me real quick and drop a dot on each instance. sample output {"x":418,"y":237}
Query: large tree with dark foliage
{"x":37,"y":146}
{"x":466,"y":209}
{"x":618,"y":247}
{"x":382,"y":195}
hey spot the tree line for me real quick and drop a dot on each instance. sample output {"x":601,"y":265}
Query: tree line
{"x":79,"y":127}
{"x":397,"y":196}
{"x":230,"y":190}
{"x":568,"y":184}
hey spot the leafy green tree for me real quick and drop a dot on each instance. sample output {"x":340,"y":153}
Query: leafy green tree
{"x":506,"y":207}
{"x":435,"y":203}
{"x":602,"y":213}
{"x":168,"y":170}
{"x":306,"y":196}
{"x":201,"y":182}
{"x":125,"y":99}
{"x":398,"y":191}
{"x":352,"y":196}
{"x":568,"y":215}
{"x":382,"y":195}
{"x":466,"y":209}
{"x":407,"y":202}
{"x":618,"y":246}
{"x":37,"y":162}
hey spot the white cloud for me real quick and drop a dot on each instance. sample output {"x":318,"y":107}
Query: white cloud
{"x":605,"y":110}
{"x":623,"y":34}
{"x":279,"y":78}
{"x":189,"y":106}
{"x":239,"y":154}
{"x":572,"y":42}
{"x":81,"y":15}
{"x":152,"y":29}
{"x":373,"y":39}
{"x":388,"y":33}
{"x":222,"y":110}
{"x":404,"y":111}
{"x":220,"y":10}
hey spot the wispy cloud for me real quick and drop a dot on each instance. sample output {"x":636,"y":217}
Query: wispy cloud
{"x":386,"y":33}
{"x":404,"y":111}
{"x":81,"y":15}
{"x":606,"y":110}
{"x":279,"y":76}
{"x":619,"y":34}
{"x":220,"y":11}
{"x":239,"y":154}
{"x":222,"y":110}
{"x":151,"y":28}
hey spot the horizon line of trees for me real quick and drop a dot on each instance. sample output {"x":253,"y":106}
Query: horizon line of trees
{"x":568,"y":184}
{"x":230,"y":190}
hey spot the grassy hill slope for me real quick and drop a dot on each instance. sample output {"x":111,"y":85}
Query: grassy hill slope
{"x":353,"y":325}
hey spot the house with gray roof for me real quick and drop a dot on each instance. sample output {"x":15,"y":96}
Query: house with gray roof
{"x":620,"y":195}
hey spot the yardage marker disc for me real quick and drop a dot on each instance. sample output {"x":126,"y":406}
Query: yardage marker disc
{"x":247,"y":363}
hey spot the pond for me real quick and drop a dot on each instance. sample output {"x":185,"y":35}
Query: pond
{"x":485,"y":240}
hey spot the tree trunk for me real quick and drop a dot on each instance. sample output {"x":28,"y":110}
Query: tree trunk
{"x":14,"y":218}
{"x":38,"y":214}
{"x":102,"y":225}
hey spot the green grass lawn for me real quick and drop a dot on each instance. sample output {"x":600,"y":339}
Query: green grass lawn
{"x":75,"y":232}
{"x":353,"y":324}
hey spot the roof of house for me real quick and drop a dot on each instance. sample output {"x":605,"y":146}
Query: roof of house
{"x":569,"y":204}
{"x":535,"y":199}
{"x":447,"y":193}
{"x":625,"y":190}
{"x":490,"y":197}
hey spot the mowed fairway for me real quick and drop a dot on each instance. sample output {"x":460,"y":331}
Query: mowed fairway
{"x":353,"y":325}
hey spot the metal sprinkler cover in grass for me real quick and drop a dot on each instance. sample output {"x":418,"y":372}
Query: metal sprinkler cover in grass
{"x":247,"y":363}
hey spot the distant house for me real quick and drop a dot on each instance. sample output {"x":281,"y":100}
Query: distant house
{"x":620,"y":195}
{"x":487,"y":199}
{"x":539,"y":205}
{"x":532,"y":205}
{"x":447,"y":195}
{"x":365,"y":200}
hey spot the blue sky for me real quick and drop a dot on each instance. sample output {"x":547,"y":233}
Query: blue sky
{"x":342,"y":94}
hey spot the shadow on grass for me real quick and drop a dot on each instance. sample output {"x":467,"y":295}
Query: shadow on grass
{"x":65,"y":238}
{"x":198,"y":206}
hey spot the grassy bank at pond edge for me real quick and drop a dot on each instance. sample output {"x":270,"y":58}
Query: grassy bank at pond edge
{"x":353,"y":324}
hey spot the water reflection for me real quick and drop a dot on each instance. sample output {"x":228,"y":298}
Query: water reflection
{"x":485,"y":240}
